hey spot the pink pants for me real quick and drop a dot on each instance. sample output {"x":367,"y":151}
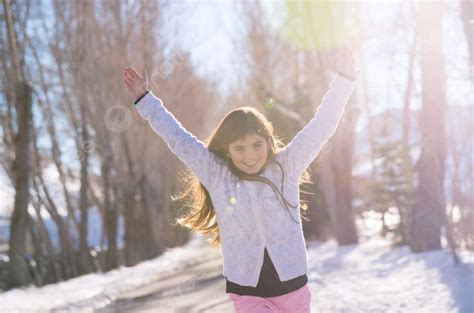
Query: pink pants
{"x":298,"y":301}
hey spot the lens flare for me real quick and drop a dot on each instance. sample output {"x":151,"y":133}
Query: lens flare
{"x":270,"y":104}
{"x":229,"y":209}
{"x":317,"y":25}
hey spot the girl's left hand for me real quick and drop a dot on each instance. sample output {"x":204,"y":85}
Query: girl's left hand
{"x":135,"y":83}
{"x":345,"y":62}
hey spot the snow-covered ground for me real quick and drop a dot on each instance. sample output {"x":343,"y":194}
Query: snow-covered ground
{"x":372,"y":277}
{"x":369,"y":277}
{"x":91,"y":291}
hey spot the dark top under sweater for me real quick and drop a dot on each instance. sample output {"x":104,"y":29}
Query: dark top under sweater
{"x":269,"y":284}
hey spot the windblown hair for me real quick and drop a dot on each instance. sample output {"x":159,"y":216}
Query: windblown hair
{"x":237,"y":124}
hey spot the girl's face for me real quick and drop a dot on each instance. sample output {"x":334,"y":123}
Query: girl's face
{"x":249,"y":154}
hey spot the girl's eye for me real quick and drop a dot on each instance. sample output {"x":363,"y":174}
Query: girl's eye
{"x":256,"y":146}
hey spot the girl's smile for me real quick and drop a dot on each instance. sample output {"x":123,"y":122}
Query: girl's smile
{"x":250,"y":153}
{"x":250,"y":163}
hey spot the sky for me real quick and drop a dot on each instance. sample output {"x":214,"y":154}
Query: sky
{"x":207,"y":30}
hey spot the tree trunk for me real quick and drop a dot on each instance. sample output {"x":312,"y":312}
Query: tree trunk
{"x":153,"y":247}
{"x":403,"y":209}
{"x":336,"y":177}
{"x":44,"y":238}
{"x":21,"y":168}
{"x":84,"y":256}
{"x":111,"y":217}
{"x":467,"y":16}
{"x":21,"y":171}
{"x":429,"y":205}
{"x":336,"y":171}
{"x":132,"y":226}
{"x":37,"y":277}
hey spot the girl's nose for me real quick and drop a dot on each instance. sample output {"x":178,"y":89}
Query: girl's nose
{"x":250,"y":157}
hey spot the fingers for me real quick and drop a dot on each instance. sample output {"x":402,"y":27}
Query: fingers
{"x":131,"y":72}
{"x":128,"y":81}
{"x":344,"y":55}
{"x":128,"y":77}
{"x":133,"y":80}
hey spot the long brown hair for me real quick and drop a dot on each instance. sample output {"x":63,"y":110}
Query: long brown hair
{"x":237,"y":124}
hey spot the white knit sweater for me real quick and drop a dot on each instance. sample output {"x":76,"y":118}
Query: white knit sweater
{"x":249,"y":215}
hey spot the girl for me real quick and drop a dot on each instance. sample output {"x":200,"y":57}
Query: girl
{"x":245,"y":191}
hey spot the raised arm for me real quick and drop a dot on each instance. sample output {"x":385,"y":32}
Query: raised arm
{"x":189,"y":149}
{"x":307,"y":143}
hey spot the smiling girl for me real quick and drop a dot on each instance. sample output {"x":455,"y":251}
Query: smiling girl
{"x":246,"y":191}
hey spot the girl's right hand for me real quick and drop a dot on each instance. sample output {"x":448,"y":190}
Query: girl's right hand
{"x":345,"y":62}
{"x":136,"y":84}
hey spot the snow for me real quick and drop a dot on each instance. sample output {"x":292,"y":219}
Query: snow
{"x":368,"y":277}
{"x":90,"y":291}
{"x":372,"y":277}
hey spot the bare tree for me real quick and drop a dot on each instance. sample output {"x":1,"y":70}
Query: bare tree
{"x":429,"y":206}
{"x":467,"y":16}
{"x":21,"y":169}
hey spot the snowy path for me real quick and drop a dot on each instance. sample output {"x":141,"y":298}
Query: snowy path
{"x":369,"y":277}
{"x":195,"y":289}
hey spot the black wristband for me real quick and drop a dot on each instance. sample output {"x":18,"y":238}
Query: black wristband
{"x":346,"y":76}
{"x":139,"y":98}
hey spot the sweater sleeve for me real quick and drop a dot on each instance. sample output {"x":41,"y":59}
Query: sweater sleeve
{"x":141,"y":97}
{"x":307,"y":143}
{"x":190,"y":150}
